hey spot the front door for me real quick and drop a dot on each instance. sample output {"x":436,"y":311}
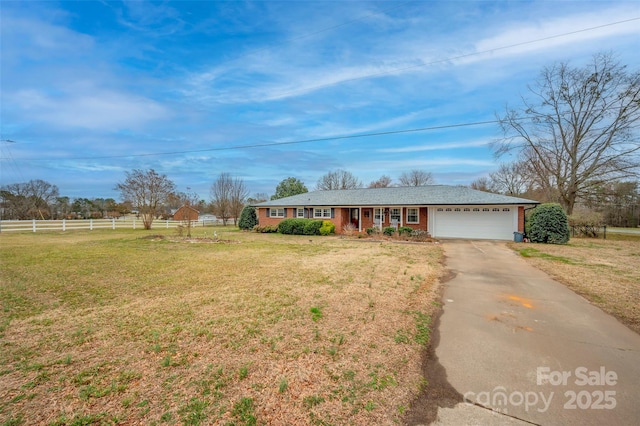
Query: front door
{"x":355,"y":218}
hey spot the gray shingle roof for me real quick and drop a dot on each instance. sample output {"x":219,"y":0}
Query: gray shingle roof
{"x":396,"y":196}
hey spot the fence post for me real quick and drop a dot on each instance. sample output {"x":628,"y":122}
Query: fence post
{"x":167,"y":224}
{"x":134,"y":223}
{"x":90,"y":224}
{"x":34,"y":225}
{"x":113,"y":223}
{"x":605,"y":232}
{"x":64,"y":225}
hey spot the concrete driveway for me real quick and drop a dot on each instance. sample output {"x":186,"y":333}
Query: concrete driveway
{"x":520,"y":348}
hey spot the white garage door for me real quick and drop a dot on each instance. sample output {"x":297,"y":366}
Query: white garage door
{"x":477,"y":222}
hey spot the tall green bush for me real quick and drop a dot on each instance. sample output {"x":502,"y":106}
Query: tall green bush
{"x":248,"y":218}
{"x":327,"y":228}
{"x":549,"y":224}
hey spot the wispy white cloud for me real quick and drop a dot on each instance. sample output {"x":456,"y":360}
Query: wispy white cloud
{"x":98,"y":109}
{"x":531,"y":35}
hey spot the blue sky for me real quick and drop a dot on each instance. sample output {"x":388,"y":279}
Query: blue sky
{"x":192,"y":89}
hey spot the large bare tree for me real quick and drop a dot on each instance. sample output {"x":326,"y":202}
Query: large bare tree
{"x":579,"y":126}
{"x":228,"y":196}
{"x":338,"y":179}
{"x":416,"y":178}
{"x":147,"y":190}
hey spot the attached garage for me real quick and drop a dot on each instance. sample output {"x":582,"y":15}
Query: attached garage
{"x":477,"y":222}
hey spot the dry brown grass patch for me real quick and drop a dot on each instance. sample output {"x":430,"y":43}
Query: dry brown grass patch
{"x":603,"y":271}
{"x":280,"y":330}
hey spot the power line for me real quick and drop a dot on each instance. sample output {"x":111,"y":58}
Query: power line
{"x":270,"y":144}
{"x":453,"y":58}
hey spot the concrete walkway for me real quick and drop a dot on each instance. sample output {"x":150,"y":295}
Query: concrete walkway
{"x":523,"y":349}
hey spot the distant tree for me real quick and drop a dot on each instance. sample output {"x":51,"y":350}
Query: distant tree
{"x":338,"y":179}
{"x":259,"y":197}
{"x":579,"y":128}
{"x":228,"y":196}
{"x":62,"y":207}
{"x":484,"y":184}
{"x":383,"y":182}
{"x":416,"y":178}
{"x":35,"y":199}
{"x":289,"y":187}
{"x":221,"y":197}
{"x":239,"y":194}
{"x":147,"y":190}
{"x":512,"y":179}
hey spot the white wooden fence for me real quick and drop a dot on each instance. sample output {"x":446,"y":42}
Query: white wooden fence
{"x":91,"y":224}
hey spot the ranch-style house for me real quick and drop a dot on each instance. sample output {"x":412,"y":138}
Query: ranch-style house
{"x":442,"y":210}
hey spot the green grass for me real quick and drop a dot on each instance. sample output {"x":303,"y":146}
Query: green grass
{"x":533,"y":252}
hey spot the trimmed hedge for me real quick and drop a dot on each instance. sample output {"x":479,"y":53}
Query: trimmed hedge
{"x":296,"y":226}
{"x":549,"y":224}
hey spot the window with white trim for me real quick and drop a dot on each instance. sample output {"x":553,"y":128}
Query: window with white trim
{"x":276,"y":212}
{"x":300,"y":213}
{"x":412,"y":215}
{"x":395,"y":214}
{"x":322,"y":213}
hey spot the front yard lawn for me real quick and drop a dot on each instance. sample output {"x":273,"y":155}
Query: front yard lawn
{"x":130,"y":327}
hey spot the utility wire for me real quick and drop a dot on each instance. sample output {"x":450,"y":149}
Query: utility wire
{"x":270,"y":144}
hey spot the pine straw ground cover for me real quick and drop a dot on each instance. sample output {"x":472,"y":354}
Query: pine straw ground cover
{"x":123,"y":327}
{"x":605,"y":272}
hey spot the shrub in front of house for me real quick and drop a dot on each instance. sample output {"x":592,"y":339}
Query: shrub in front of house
{"x":372,"y":231}
{"x":312,"y":227}
{"x":296,"y":226}
{"x":549,"y":224}
{"x":291,"y":226}
{"x":248,"y":218}
{"x":327,"y":228}
{"x":266,"y":229}
{"x":420,"y":235}
{"x":405,"y":230}
{"x":389,"y":231}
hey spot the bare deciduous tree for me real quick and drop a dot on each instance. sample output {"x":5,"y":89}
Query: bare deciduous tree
{"x":383,"y":182}
{"x":511,"y":179}
{"x":580,"y":126}
{"x":338,"y":179}
{"x":416,"y":178}
{"x":483,"y":184}
{"x":147,"y":190}
{"x":30,"y":200}
{"x":239,"y":194}
{"x":228,"y":196}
